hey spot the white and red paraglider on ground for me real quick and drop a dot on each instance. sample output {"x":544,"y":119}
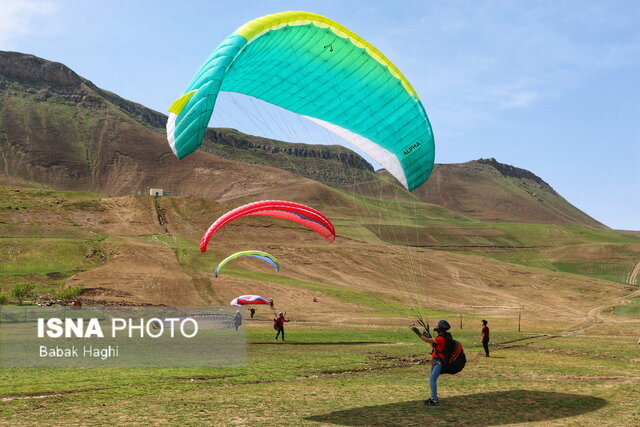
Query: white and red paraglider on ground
{"x":249,"y":299}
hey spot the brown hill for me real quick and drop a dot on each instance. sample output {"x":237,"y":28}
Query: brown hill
{"x":60,"y":130}
{"x":119,"y":252}
{"x":491,"y":191}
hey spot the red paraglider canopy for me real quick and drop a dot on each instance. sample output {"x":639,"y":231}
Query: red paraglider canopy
{"x":292,"y":211}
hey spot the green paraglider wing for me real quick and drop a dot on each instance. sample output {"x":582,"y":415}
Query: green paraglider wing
{"x":315,"y":67}
{"x":256,"y":254}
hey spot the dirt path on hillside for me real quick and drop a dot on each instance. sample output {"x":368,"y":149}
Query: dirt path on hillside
{"x":633,"y":277}
{"x":594,"y":317}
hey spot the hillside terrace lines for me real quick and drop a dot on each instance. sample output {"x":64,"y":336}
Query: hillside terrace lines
{"x":633,"y":276}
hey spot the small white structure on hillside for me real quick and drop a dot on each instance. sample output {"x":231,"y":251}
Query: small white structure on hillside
{"x":158,"y":192}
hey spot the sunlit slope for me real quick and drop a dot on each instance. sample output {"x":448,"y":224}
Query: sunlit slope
{"x":143,"y":250}
{"x":491,"y":191}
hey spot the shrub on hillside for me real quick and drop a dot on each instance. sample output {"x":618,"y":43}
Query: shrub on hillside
{"x":22,"y":291}
{"x":67,"y":294}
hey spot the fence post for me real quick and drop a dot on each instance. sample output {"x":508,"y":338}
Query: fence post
{"x":519,"y":318}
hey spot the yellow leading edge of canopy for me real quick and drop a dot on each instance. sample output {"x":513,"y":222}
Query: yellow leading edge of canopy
{"x":259,"y":26}
{"x":178,"y":104}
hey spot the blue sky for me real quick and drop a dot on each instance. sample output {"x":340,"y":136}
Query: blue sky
{"x":549,"y":86}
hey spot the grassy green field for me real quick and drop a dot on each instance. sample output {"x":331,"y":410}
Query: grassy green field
{"x":631,"y":309}
{"x":347,"y":376}
{"x":333,"y":374}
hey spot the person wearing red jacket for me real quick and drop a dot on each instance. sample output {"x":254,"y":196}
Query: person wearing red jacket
{"x":437,"y":358}
{"x":278,"y":324}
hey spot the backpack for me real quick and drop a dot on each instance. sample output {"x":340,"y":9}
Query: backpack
{"x":455,"y":359}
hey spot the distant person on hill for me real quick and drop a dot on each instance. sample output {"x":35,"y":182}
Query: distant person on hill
{"x":437,"y":357}
{"x":278,"y":324}
{"x":271,"y":304}
{"x":485,"y":338}
{"x":237,"y":320}
{"x":252,"y":311}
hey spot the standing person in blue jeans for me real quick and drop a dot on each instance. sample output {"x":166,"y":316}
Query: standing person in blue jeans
{"x":437,"y":358}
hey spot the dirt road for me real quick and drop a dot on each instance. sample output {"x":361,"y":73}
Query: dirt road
{"x":633,"y":277}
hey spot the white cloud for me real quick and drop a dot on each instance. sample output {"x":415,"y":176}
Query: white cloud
{"x":520,"y":99}
{"x":18,"y":18}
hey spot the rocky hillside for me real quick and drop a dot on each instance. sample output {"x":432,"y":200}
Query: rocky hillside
{"x":334,"y":165}
{"x":60,"y":130}
{"x":491,"y":191}
{"x":37,"y":90}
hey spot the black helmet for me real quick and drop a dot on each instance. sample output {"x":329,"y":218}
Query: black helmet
{"x":443,"y":325}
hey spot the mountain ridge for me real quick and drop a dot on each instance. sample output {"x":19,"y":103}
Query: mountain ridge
{"x":59,"y":129}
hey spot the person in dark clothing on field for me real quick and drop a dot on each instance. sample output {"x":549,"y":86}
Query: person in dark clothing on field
{"x":237,"y":320}
{"x":271,"y":304}
{"x":437,"y":358}
{"x":485,"y":338}
{"x":278,"y":324}
{"x":252,"y":311}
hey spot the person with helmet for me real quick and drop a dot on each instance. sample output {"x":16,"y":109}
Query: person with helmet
{"x":437,"y":357}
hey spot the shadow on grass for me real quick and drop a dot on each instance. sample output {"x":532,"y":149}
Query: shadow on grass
{"x":479,"y":409}
{"x":274,"y":342}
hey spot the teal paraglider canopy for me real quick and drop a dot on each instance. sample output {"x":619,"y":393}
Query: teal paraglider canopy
{"x":315,"y":67}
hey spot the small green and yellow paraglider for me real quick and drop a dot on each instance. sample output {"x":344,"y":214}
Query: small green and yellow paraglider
{"x":255,"y":254}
